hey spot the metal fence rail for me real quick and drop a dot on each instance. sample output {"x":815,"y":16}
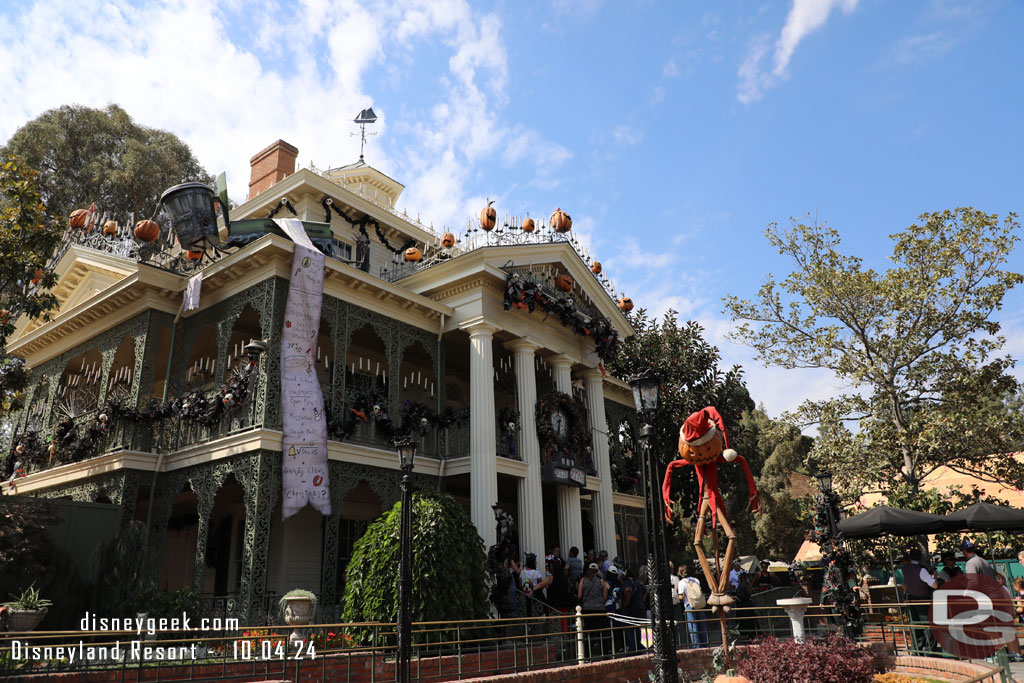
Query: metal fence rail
{"x":358,"y":652}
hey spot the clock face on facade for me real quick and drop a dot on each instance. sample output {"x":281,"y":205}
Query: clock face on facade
{"x":560,"y":425}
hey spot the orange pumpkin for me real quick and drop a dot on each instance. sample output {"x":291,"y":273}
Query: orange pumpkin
{"x":413,"y":254}
{"x":447,"y":240}
{"x":147,"y":231}
{"x":79,"y":219}
{"x":564,"y":282}
{"x":37,"y":277}
{"x":560,"y":221}
{"x":194,"y":255}
{"x":731,"y":676}
{"x":595,"y":268}
{"x":488,"y":217}
{"x":704,"y":454}
{"x":529,"y":225}
{"x":625,"y":304}
{"x":5,"y":315}
{"x":110,"y":228}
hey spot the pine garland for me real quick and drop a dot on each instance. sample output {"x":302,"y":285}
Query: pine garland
{"x":70,"y":443}
{"x":526,"y":294}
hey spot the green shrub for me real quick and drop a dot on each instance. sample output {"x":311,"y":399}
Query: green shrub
{"x":448,"y":566}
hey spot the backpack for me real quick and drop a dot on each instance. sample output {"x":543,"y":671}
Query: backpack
{"x":694,"y":595}
{"x":614,"y":601}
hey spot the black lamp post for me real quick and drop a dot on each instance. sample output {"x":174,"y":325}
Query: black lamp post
{"x":837,"y":561}
{"x":406,"y":448}
{"x":645,"y":395}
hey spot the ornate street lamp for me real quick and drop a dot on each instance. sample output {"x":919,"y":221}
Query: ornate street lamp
{"x":406,"y":448}
{"x":190,"y":208}
{"x":645,"y":394}
{"x":824,"y":481}
{"x":837,"y":561}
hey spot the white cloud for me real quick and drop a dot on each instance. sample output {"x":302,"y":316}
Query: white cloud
{"x":627,"y":136}
{"x":670,"y":69}
{"x":231,"y":78}
{"x":805,"y":17}
{"x":914,"y":50}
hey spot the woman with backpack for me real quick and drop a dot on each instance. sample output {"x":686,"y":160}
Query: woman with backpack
{"x":693,"y":599}
{"x":592,"y":592}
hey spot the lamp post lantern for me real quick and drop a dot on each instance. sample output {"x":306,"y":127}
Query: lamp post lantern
{"x":406,"y":448}
{"x":837,"y":561}
{"x":646,"y":388}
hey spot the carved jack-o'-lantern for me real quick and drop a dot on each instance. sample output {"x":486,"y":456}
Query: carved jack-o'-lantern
{"x":412,"y":254}
{"x":147,"y":231}
{"x":37,"y":277}
{"x":529,"y":225}
{"x":595,"y":267}
{"x":79,"y":219}
{"x":447,"y":240}
{"x":110,"y":228}
{"x":731,"y":676}
{"x":560,"y":221}
{"x":702,"y":454}
{"x":625,"y":304}
{"x":564,"y":282}
{"x":5,"y":315}
{"x":194,"y":255}
{"x":488,"y":217}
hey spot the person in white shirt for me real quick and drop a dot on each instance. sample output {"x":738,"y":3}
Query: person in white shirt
{"x":696,"y":628}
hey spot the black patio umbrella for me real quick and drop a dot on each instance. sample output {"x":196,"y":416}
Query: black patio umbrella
{"x":984,"y":516}
{"x":883,"y":519}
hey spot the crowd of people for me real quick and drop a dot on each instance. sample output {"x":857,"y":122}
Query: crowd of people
{"x":920,"y":582}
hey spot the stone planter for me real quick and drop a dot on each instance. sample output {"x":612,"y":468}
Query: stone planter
{"x":24,"y":619}
{"x":298,"y":611}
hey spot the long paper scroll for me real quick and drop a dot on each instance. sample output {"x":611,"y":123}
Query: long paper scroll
{"x":304,"y":445}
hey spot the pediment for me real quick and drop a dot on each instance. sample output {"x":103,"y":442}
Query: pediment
{"x":81,"y":274}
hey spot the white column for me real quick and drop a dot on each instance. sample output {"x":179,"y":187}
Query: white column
{"x":570,"y":521}
{"x":483,"y":467}
{"x":531,"y":502}
{"x":604,"y":510}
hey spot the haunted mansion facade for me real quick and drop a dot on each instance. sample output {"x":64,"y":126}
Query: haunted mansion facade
{"x":486,"y":347}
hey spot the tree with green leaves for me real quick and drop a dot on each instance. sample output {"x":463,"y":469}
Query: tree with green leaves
{"x":90,"y":155}
{"x":28,"y":238}
{"x":778,"y":450}
{"x":918,"y":344}
{"x":691,"y":379}
{"x":448,"y":565}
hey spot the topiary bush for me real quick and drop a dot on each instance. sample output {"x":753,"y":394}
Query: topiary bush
{"x":448,"y":566}
{"x":823,"y":659}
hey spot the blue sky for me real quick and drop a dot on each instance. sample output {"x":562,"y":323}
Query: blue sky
{"x":673,"y":132}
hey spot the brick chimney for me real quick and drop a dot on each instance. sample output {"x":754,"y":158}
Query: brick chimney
{"x":271,"y":165}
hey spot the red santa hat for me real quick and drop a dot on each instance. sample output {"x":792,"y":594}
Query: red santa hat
{"x":702,"y":426}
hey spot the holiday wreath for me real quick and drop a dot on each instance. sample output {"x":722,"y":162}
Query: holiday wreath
{"x":575,"y":446}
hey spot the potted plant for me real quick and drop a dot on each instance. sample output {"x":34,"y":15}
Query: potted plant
{"x":26,"y":610}
{"x":298,"y":606}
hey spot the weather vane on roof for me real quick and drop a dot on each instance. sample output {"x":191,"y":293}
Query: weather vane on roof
{"x":364,"y":117}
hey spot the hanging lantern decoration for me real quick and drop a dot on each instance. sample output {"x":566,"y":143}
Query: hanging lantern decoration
{"x":110,"y":228}
{"x":412,"y":254}
{"x":560,"y":221}
{"x":488,"y":217}
{"x":189,"y":207}
{"x":447,"y":240}
{"x":625,"y":304}
{"x":79,"y":219}
{"x":564,"y":282}
{"x":194,"y":254}
{"x":37,"y":277}
{"x":147,"y":231}
{"x":529,"y":225}
{"x":5,"y":315}
{"x":595,"y":267}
